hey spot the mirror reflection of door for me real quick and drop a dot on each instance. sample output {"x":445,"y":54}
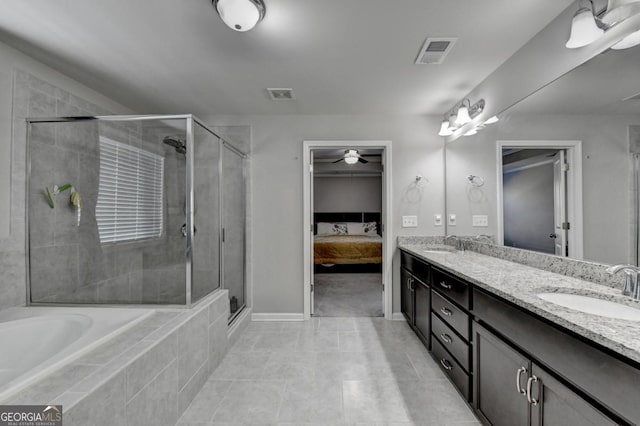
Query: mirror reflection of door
{"x":534,"y":194}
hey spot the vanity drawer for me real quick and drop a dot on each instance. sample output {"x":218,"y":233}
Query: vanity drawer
{"x":450,"y":340}
{"x":453,"y":288}
{"x":451,"y":368}
{"x":415,"y":266}
{"x":453,"y":316}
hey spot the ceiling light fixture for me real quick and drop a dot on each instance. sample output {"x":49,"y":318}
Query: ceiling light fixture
{"x":584,"y":27}
{"x":463,"y":116}
{"x":460,"y":116}
{"x":351,"y":156}
{"x":240,"y":15}
{"x":492,"y":120}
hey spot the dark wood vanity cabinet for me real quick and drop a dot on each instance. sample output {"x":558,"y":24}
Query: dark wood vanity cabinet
{"x":416,"y":296}
{"x":515,"y":367}
{"x":512,"y":390}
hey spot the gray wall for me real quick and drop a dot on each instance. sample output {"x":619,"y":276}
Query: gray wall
{"x":605,"y":172}
{"x":276,"y":185}
{"x":528,"y":208}
{"x":347,"y":194}
{"x":31,"y":96}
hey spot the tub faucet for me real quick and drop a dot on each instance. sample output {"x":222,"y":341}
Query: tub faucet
{"x":631,"y":288}
{"x":458,"y":243}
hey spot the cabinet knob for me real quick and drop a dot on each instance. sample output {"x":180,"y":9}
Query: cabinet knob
{"x":521,"y":370}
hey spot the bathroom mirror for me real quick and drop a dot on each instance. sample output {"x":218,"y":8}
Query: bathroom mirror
{"x":508,"y":181}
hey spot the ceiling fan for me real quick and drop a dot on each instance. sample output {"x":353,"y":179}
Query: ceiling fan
{"x":351,"y":156}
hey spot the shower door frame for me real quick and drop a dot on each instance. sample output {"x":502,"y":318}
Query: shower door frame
{"x":190,"y":120}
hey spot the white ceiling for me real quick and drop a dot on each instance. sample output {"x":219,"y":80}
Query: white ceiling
{"x":339,"y":56}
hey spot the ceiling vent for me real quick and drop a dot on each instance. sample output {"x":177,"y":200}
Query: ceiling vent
{"x":435,"y":49}
{"x":281,"y":94}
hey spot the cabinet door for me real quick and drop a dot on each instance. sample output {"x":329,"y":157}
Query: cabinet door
{"x":406,"y":293}
{"x":557,"y":405}
{"x":499,"y":378}
{"x":422,"y":308}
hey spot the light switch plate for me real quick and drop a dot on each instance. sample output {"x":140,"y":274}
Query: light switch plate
{"x":452,"y":220}
{"x":480,"y":221}
{"x":409,"y":221}
{"x":437,"y":220}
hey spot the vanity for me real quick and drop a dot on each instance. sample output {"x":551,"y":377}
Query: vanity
{"x":515,"y":354}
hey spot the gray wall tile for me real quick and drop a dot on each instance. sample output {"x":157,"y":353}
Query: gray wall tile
{"x":157,"y":403}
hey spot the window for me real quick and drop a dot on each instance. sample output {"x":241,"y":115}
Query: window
{"x":130,"y":194}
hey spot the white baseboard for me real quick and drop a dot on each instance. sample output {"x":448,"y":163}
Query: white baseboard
{"x":277,"y":317}
{"x":398,"y":316}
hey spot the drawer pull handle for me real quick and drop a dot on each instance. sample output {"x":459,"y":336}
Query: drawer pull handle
{"x":446,"y":364}
{"x":444,"y":285}
{"x":446,"y":337}
{"x":446,"y":311}
{"x":519,"y":373}
{"x":530,"y":382}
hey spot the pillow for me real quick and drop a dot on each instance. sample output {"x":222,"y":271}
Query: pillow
{"x":367,"y":228}
{"x":326,"y":228}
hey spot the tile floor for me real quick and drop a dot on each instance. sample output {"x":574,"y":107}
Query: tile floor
{"x":338,"y":371}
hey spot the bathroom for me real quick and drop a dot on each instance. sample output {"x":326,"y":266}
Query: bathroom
{"x":205,"y":319}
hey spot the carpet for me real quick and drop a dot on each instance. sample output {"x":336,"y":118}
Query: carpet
{"x":348,"y":295}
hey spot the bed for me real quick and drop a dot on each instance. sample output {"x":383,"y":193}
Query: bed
{"x":347,"y":239}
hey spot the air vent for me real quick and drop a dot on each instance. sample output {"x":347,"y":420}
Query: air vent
{"x":281,"y":94}
{"x":435,"y":49}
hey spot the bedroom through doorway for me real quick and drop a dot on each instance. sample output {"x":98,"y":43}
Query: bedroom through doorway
{"x":347,"y":211}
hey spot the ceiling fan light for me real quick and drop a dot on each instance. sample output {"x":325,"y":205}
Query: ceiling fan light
{"x":631,"y":40}
{"x":240,"y":15}
{"x":619,"y":10}
{"x":350,"y":159}
{"x":584,"y":29}
{"x":445,"y":129}
{"x":463,"y":116}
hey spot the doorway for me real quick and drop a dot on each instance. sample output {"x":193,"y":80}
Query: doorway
{"x":540,"y":196}
{"x":346,"y":246}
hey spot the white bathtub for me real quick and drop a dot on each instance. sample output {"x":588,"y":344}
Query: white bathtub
{"x":35,"y":341}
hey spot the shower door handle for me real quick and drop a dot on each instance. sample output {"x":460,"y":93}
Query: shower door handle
{"x":183,"y":229}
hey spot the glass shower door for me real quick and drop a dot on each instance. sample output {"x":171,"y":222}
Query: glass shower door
{"x":233,"y":236}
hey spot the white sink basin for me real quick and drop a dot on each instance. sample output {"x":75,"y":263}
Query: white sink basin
{"x":592,"y":305}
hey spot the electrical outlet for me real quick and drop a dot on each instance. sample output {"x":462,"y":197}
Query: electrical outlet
{"x":452,"y":220}
{"x":409,"y":221}
{"x":437,"y":220}
{"x":480,"y":221}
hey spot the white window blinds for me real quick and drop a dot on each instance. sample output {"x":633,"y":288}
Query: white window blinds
{"x":130,"y":193}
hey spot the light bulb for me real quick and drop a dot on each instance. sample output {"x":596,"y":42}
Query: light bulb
{"x":351,"y":159}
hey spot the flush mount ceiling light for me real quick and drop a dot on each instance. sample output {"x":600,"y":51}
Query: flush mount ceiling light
{"x":240,"y":15}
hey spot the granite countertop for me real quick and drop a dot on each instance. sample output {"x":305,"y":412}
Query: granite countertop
{"x":521,"y":284}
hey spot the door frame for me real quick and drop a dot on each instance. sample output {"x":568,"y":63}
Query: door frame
{"x":574,"y":187}
{"x":387,"y":249}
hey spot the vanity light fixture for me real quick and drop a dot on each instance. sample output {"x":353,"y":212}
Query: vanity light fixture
{"x":463,"y":116}
{"x":619,"y":10}
{"x":445,"y":128}
{"x":492,"y":120}
{"x":240,"y":15}
{"x":584,"y":27}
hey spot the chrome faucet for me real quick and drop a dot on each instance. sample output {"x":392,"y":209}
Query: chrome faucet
{"x":459,"y":243}
{"x":631,"y":288}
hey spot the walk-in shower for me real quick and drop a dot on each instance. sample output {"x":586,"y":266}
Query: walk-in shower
{"x":114,"y":203}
